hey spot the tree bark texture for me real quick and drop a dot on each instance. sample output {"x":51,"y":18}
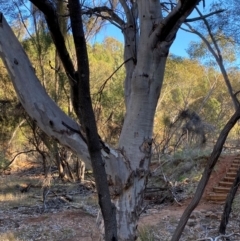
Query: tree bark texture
{"x":143,"y":84}
{"x":89,"y":124}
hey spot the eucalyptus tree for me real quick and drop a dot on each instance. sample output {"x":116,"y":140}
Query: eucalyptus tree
{"x":149,"y":29}
{"x":218,"y":41}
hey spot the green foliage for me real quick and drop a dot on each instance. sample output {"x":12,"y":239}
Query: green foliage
{"x":190,"y":85}
{"x":199,"y":50}
{"x":176,"y":95}
{"x":3,"y":161}
{"x":187,"y":85}
{"x":107,"y":88}
{"x":212,"y":109}
{"x":10,"y":114}
{"x":166,"y":121}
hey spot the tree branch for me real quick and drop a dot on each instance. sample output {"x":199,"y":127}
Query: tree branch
{"x":47,"y":115}
{"x":168,"y":27}
{"x":33,"y":96}
{"x":51,"y":17}
{"x":13,"y":159}
{"x":216,"y":52}
{"x":188,"y":20}
{"x":112,"y":16}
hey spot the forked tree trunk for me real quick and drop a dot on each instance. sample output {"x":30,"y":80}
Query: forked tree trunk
{"x":127,"y":167}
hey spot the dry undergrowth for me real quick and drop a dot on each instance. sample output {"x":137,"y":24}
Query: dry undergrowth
{"x":70,"y":214}
{"x":22,"y":217}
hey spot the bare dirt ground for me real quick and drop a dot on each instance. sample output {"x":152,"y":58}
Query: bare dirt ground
{"x":22,"y":216}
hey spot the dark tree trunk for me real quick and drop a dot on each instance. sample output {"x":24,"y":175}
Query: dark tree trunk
{"x":87,"y":118}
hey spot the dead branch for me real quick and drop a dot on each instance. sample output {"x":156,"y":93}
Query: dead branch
{"x":22,"y":152}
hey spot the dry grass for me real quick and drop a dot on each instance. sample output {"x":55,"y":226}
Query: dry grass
{"x":8,"y":237}
{"x":146,"y":233}
{"x":11,"y":195}
{"x":21,"y":218}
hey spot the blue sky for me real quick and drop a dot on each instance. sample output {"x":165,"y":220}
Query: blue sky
{"x":178,"y":48}
{"x":181,"y":43}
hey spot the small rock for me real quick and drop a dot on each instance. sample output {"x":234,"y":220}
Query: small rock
{"x":195,"y":215}
{"x":208,"y":214}
{"x":214,"y":216}
{"x":192,"y":222}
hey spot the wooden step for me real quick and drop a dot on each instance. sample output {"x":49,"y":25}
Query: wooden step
{"x":220,"y":192}
{"x":233,"y":169}
{"x":231,"y":174}
{"x":225,"y":184}
{"x":229,"y":179}
{"x":236,"y":165}
{"x":216,"y":196}
{"x":236,"y":162}
{"x":221,"y":189}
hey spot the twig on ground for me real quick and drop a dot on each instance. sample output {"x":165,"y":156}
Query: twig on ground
{"x":218,"y":237}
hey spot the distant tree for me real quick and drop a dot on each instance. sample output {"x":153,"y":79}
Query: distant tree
{"x":198,"y":94}
{"x":219,"y":43}
{"x":107,"y":73}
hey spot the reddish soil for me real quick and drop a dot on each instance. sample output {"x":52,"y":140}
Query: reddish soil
{"x":76,"y":224}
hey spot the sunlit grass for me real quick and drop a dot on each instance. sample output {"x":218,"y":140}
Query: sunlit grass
{"x":191,"y":153}
{"x":10,"y":193}
{"x":12,"y":200}
{"x":10,"y":197}
{"x":9,"y":237}
{"x":197,"y":178}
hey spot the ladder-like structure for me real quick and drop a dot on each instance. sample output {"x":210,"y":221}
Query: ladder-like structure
{"x":220,"y":192}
